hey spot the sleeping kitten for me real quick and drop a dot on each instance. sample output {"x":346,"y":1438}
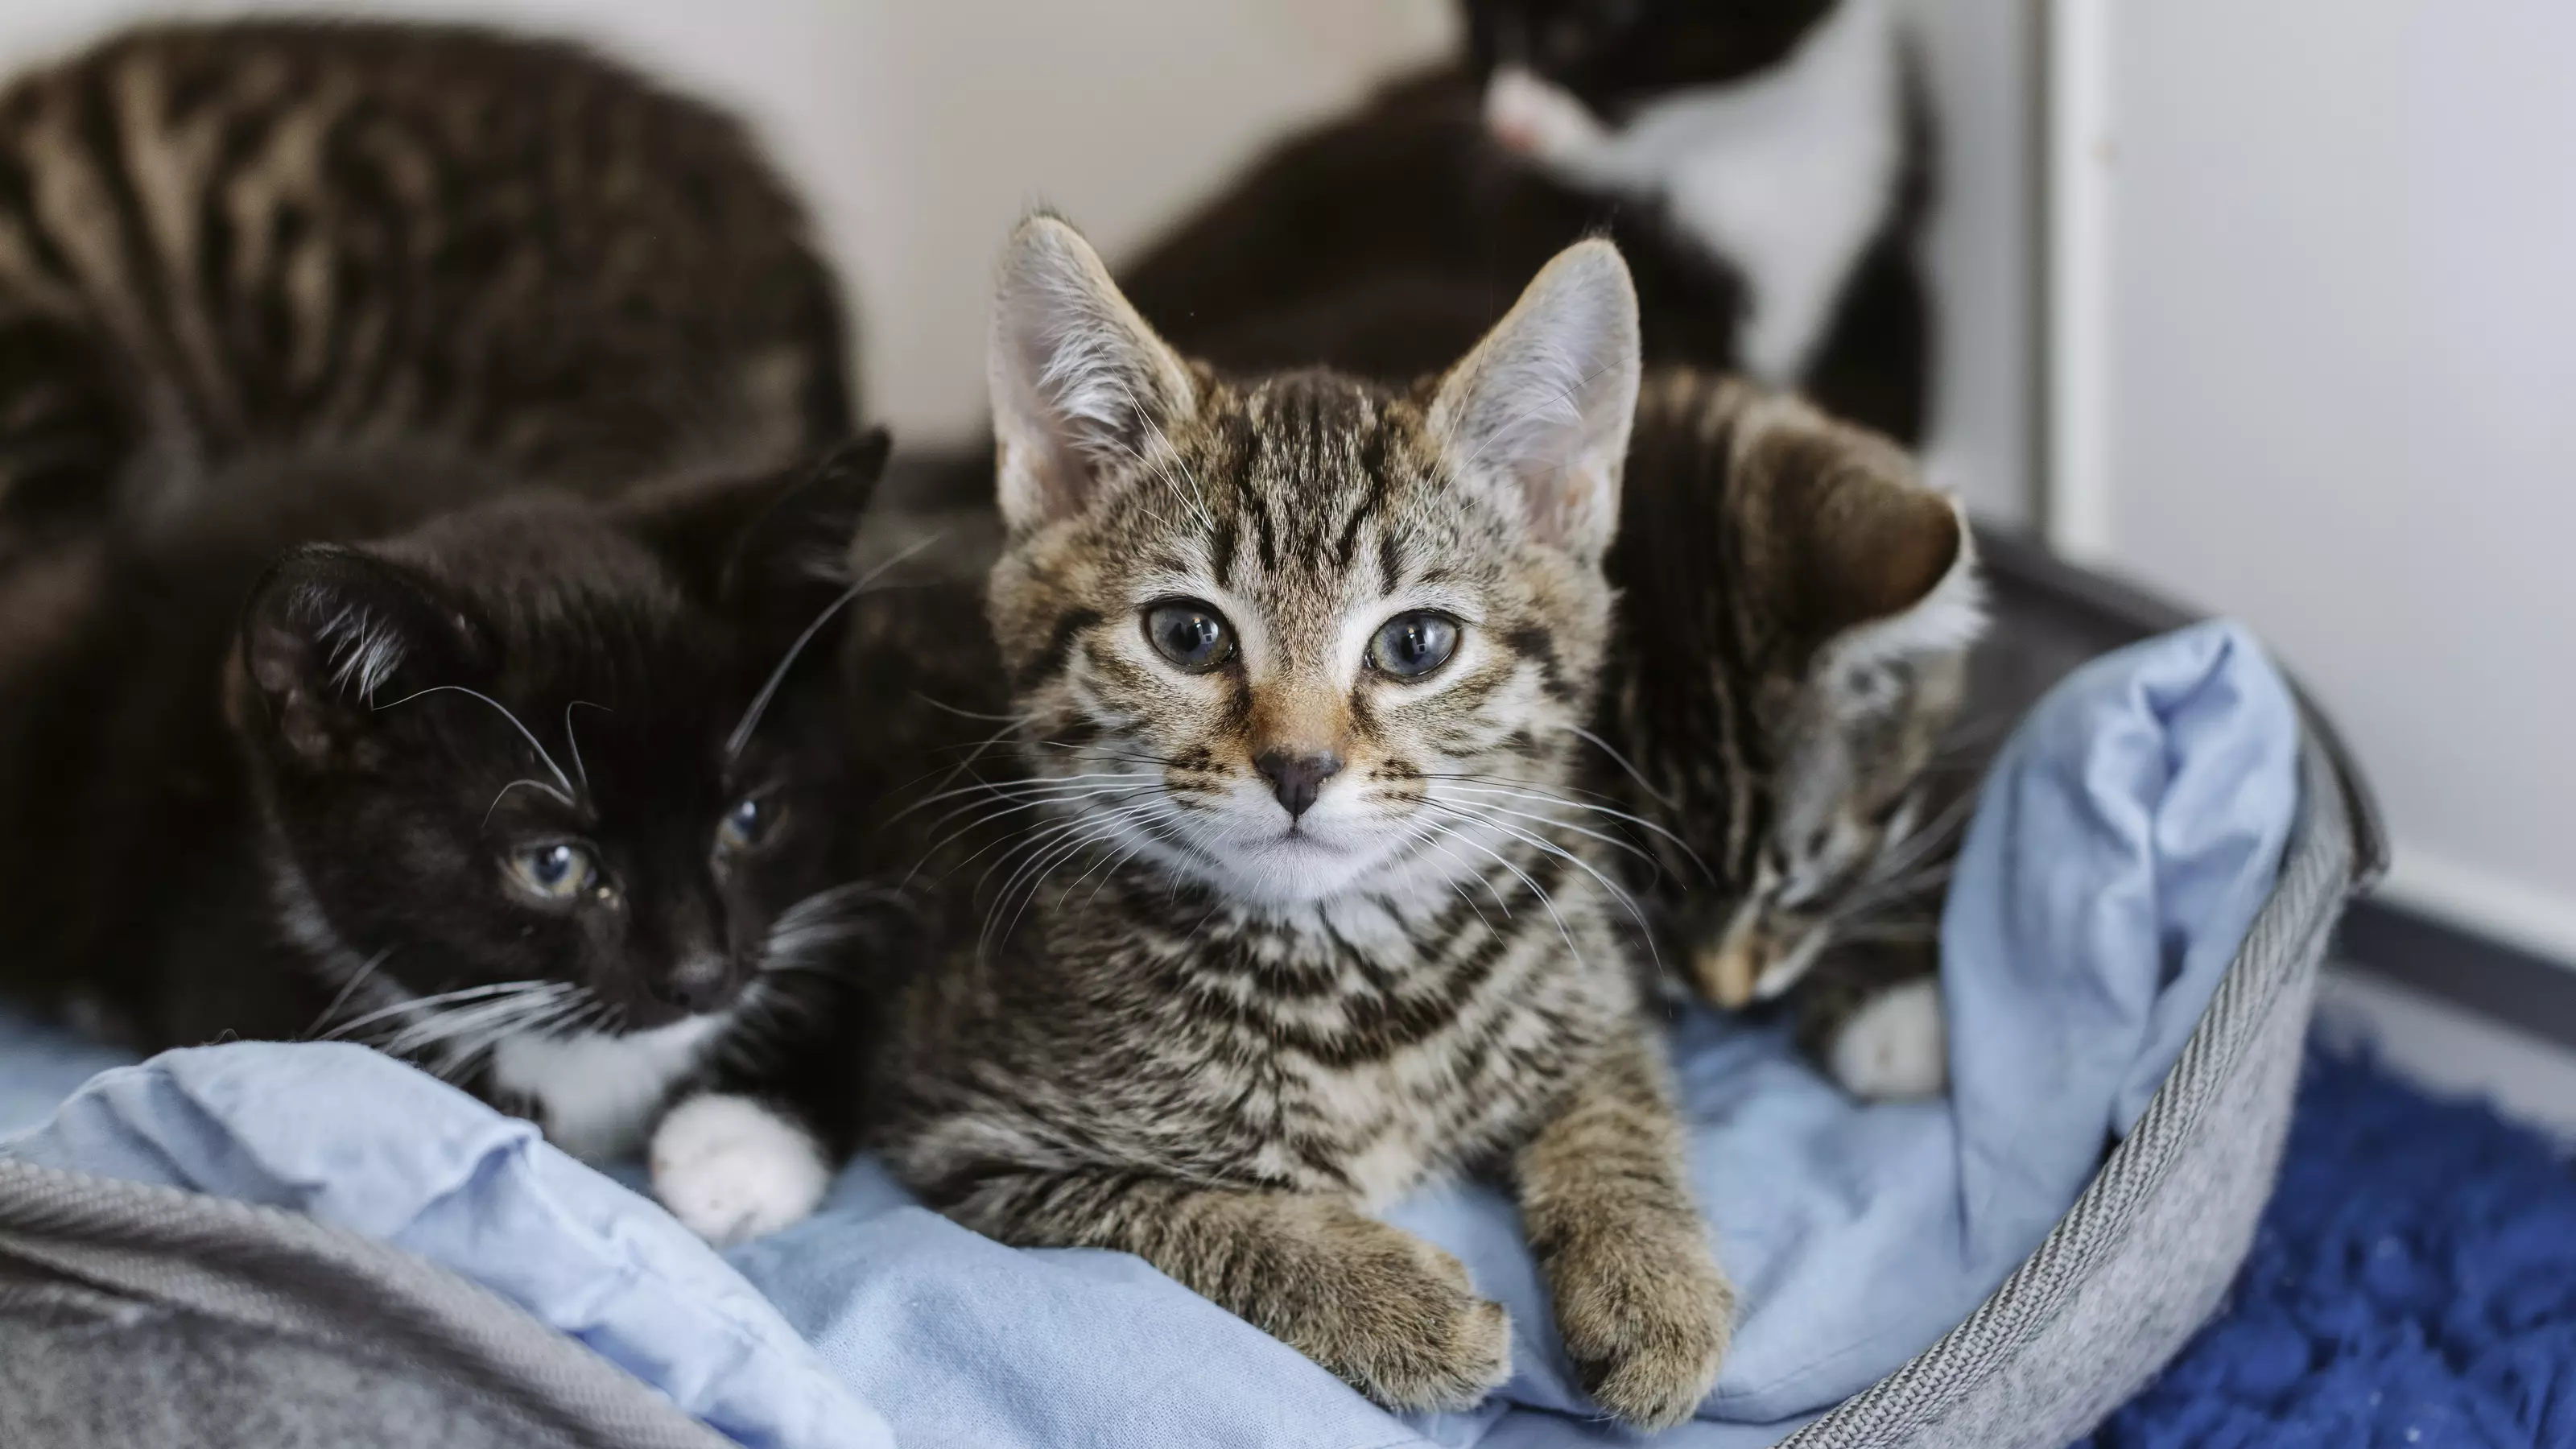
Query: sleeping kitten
{"x":1762,"y":166}
{"x":1286,"y":651}
{"x":234,"y":239}
{"x":1796,"y":611}
{"x":533,"y":794}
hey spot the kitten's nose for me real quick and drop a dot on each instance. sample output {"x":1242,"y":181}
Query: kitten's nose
{"x":1297,"y":778}
{"x":699,"y":983}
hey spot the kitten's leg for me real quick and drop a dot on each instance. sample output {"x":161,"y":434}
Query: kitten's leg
{"x":1644,"y":1310}
{"x":1392,"y":1315}
{"x":732,"y":1167}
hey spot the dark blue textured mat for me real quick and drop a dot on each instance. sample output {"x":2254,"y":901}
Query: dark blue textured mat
{"x":2413,"y":1286}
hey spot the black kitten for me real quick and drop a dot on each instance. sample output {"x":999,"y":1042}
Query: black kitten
{"x":542,"y":794}
{"x":1760,"y":166}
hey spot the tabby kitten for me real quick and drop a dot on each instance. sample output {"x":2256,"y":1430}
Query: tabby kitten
{"x":1288,"y":655}
{"x":1796,"y":614}
{"x":535,"y":794}
{"x":224,"y":240}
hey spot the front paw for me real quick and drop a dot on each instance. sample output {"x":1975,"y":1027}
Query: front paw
{"x":731,"y":1169}
{"x":1645,"y":1314}
{"x":1398,"y":1321}
{"x":1895,"y":1048}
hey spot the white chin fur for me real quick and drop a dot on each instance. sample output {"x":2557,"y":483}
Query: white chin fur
{"x":1896,"y":1048}
{"x":731,"y":1169}
{"x":1787,"y":174}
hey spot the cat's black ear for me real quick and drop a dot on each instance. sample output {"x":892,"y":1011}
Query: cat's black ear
{"x":330,"y":633}
{"x":1539,"y":411}
{"x":1846,"y":539}
{"x":774,"y":541}
{"x":1080,"y":384}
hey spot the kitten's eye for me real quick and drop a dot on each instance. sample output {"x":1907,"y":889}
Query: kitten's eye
{"x":1190,"y":634}
{"x":555,"y":872}
{"x":745,"y":825}
{"x":1412,"y":645}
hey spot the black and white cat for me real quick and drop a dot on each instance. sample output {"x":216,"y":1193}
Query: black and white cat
{"x":1761,"y":166}
{"x":1789,"y":170}
{"x":544,"y":794}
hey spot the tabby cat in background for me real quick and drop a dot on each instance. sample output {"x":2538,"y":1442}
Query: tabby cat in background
{"x":1762,"y":165}
{"x":541,"y":788}
{"x":1795,"y":614}
{"x":222,"y":240}
{"x":1291,"y":656}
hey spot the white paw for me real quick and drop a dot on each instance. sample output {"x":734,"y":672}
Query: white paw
{"x":1896,"y":1047}
{"x":1530,"y":117}
{"x":731,"y":1169}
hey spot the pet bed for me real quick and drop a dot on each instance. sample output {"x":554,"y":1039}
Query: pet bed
{"x":2110,"y":1292}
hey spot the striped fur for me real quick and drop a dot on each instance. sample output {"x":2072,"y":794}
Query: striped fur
{"x":218,"y":240}
{"x":1212,"y":1031}
{"x":1796,"y":614}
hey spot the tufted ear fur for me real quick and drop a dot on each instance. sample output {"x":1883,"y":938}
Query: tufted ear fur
{"x":330,"y":632}
{"x":1080,"y":384}
{"x":1540,"y":409}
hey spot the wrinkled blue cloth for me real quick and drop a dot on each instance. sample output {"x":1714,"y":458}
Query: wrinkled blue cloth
{"x":354,"y":1139}
{"x":2127,"y":836}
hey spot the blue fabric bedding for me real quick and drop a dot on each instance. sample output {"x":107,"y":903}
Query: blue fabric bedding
{"x":2129,"y":833}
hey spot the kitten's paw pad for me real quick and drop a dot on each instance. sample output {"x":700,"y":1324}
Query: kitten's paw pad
{"x":1648,"y":1327}
{"x":1407,"y":1331}
{"x":1896,"y":1047}
{"x":731,"y":1169}
{"x":1529,"y":117}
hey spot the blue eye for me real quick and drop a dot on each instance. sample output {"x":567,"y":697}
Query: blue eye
{"x":554,"y":872}
{"x":744,"y":825}
{"x":1189,"y":633}
{"x":1410,"y":646}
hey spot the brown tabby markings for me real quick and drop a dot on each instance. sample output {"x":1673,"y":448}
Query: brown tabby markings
{"x":216,"y":239}
{"x":1227,"y":1029}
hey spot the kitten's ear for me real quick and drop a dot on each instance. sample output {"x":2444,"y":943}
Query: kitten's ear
{"x":771,"y":540}
{"x":1079,"y":381}
{"x":1854,"y":546}
{"x":1540,"y":410}
{"x":330,"y":632}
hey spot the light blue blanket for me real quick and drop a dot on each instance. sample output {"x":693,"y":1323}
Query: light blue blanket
{"x":2129,"y":833}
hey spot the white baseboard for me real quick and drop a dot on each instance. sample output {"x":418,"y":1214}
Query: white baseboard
{"x":2534,"y":920}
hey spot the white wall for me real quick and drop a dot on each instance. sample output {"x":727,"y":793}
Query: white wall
{"x":1979,"y":252}
{"x":2341,"y":347}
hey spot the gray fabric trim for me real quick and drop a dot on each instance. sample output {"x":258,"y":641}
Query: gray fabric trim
{"x":2148,"y":1251}
{"x":132,"y":1255}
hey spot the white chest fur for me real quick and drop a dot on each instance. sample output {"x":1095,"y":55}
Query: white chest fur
{"x":596,"y":1094}
{"x":1788,"y":174}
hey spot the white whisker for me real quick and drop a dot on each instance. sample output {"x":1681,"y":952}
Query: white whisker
{"x":566,"y":794}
